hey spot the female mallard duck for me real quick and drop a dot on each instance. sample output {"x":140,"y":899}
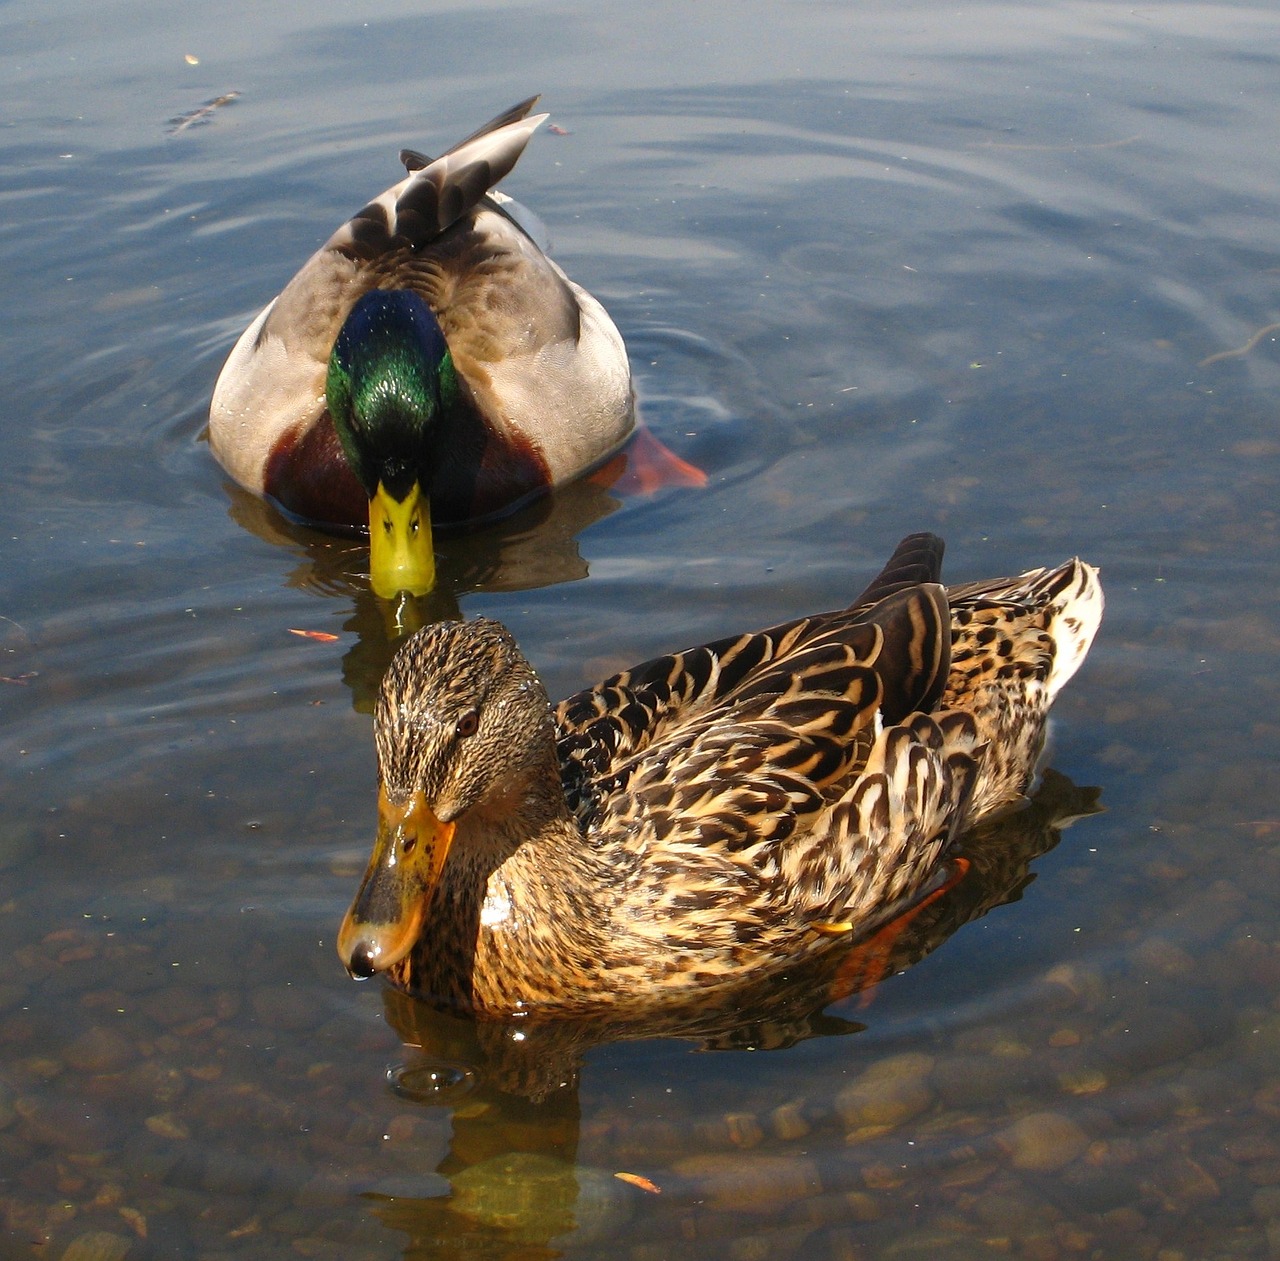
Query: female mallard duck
{"x":724,"y":810}
{"x":429,"y":361}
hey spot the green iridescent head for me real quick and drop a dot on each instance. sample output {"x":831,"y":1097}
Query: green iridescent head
{"x":390,"y":377}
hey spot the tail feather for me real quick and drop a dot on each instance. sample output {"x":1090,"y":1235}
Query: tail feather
{"x":439,"y":192}
{"x":917,"y":559}
{"x":1015,"y":643}
{"x":1075,"y":614}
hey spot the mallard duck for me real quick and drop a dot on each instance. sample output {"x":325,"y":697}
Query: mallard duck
{"x":714,"y":813}
{"x":429,"y":361}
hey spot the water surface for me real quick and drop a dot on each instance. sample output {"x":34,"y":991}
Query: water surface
{"x":991,"y":270}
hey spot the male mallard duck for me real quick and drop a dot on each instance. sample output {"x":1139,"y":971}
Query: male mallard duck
{"x":428,"y":353}
{"x":723,"y":810}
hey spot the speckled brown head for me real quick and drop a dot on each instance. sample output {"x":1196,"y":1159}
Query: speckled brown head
{"x":462,"y":721}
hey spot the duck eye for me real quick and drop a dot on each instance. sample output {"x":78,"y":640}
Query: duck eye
{"x":467,"y":724}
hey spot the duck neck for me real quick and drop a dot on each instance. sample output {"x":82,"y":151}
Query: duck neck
{"x":526,"y":821}
{"x":519,"y":908}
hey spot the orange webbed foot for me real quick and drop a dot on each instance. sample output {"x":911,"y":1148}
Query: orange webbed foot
{"x":650,"y":465}
{"x":868,"y":964}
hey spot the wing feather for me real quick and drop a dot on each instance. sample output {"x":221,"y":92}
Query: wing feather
{"x":738,"y":745}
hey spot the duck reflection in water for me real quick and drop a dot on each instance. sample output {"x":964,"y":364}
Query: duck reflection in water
{"x":512,"y":1172}
{"x":536,"y":547}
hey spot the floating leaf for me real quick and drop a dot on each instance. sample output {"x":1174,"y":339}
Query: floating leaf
{"x":639,"y":1180}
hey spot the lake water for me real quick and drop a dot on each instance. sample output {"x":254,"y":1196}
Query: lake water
{"x":1004,"y":271}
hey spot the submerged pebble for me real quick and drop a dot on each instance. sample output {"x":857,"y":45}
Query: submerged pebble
{"x":533,"y":1197}
{"x":788,"y":1121}
{"x":973,"y":1080}
{"x":750,"y":1182}
{"x":1266,"y":1203}
{"x":168,"y":1125}
{"x":890,"y":1092}
{"x":99,"y":1050}
{"x":1260,"y":1045}
{"x":1159,"y":955}
{"x":1042,"y":1142}
{"x":745,"y":1129}
{"x":1150,"y":1037}
{"x":98,"y":1245}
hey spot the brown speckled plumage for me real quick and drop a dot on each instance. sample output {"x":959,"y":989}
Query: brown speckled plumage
{"x":721,"y":810}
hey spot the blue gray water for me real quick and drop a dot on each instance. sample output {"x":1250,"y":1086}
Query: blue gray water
{"x":994,"y":270}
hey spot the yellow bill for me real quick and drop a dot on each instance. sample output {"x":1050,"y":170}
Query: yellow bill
{"x":401,"y":557}
{"x":389,"y":908}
